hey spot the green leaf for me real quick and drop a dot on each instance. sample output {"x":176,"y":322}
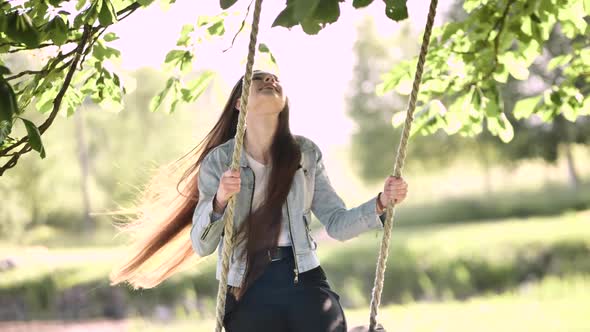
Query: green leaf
{"x":101,"y":52}
{"x":569,"y":113}
{"x":107,"y":15}
{"x":44,"y":105}
{"x":217,"y":29}
{"x":186,"y":64}
{"x":174,"y":56}
{"x":448,"y":30}
{"x":225,"y":4}
{"x":4,"y":70}
{"x":157,"y":101}
{"x":304,"y":8}
{"x":392,"y":79}
{"x":80,"y":4}
{"x":587,"y":7}
{"x":8,"y":104}
{"x":286,"y":18}
{"x":491,"y":103}
{"x":428,"y":119}
{"x":111,"y":36}
{"x":5,"y":129}
{"x":501,"y":127}
{"x":58,"y":30}
{"x":196,"y":87}
{"x":327,"y":12}
{"x":471,"y":5}
{"x":515,"y":66}
{"x":34,"y":137}
{"x":527,"y":26}
{"x":361,"y":3}
{"x":20,"y":28}
{"x":556,"y":98}
{"x":396,"y":9}
{"x":262,"y":48}
{"x":185,"y":37}
{"x":145,"y":3}
{"x":91,"y":14}
{"x":501,"y":74}
{"x":310,"y":26}
{"x":559,"y":61}
{"x":3,"y":23}
{"x":525,"y":107}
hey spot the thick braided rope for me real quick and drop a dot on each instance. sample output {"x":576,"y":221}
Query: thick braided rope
{"x":399,"y":164}
{"x":239,"y":142}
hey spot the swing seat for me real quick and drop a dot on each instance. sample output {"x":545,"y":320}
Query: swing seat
{"x":365,"y":328}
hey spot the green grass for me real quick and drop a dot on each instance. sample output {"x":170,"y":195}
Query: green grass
{"x":462,"y":260}
{"x":428,"y":262}
{"x":551,"y":305}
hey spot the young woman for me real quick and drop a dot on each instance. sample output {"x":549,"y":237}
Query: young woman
{"x":275,"y":279}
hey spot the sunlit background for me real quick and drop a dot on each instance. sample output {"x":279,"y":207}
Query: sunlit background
{"x":484,"y":242}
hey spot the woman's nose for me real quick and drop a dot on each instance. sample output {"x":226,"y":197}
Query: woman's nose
{"x":269,"y":79}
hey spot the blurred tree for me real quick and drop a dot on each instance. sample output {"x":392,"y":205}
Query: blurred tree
{"x":83,"y":161}
{"x":375,"y":138}
{"x":535,"y":138}
{"x":48,"y":192}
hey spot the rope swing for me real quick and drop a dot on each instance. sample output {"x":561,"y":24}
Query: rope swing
{"x":229,"y":212}
{"x":399,"y":163}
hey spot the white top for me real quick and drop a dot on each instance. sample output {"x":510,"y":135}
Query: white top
{"x":261,"y":174}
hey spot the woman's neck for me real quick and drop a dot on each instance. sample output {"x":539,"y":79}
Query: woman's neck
{"x":259,"y":136}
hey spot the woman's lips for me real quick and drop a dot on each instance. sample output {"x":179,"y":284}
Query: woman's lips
{"x":269,"y":88}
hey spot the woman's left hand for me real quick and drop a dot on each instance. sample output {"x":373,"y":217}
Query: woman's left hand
{"x":394,"y":190}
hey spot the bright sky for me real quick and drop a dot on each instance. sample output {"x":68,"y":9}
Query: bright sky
{"x":315,"y":70}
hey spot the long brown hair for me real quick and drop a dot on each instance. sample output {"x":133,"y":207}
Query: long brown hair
{"x":161,"y":225}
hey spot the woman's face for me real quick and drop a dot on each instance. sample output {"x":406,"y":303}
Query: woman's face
{"x":266,"y":94}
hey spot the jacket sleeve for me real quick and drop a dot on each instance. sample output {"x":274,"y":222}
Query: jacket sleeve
{"x":207,"y":226}
{"x":341,"y":223}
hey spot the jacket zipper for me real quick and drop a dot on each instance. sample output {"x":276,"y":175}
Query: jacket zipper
{"x":252,"y":194}
{"x":296,"y":270}
{"x":206,"y":231}
{"x":315,"y":245}
{"x":253,"y":188}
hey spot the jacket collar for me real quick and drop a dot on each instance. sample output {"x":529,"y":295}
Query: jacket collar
{"x":244,"y":159}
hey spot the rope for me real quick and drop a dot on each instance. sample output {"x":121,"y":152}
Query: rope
{"x":399,"y":164}
{"x":239,"y":141}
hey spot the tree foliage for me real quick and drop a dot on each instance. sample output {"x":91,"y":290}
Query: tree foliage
{"x":73,"y":35}
{"x":468,"y":61}
{"x":471,"y":59}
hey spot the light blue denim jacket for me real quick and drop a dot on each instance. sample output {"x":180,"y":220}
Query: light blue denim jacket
{"x":311,"y":191}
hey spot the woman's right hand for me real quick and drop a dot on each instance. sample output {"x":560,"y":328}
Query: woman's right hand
{"x":229,"y":185}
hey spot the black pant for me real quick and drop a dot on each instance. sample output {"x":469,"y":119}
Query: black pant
{"x":275,"y":303}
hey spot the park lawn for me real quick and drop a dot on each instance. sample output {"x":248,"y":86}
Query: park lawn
{"x":482,"y":238}
{"x":491,"y":240}
{"x":551,"y":305}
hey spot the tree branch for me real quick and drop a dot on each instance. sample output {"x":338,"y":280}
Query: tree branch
{"x":37,"y":47}
{"x":128,"y":10}
{"x":80,"y":53}
{"x":240,"y":29}
{"x":42,"y":72}
{"x":56,"y":103}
